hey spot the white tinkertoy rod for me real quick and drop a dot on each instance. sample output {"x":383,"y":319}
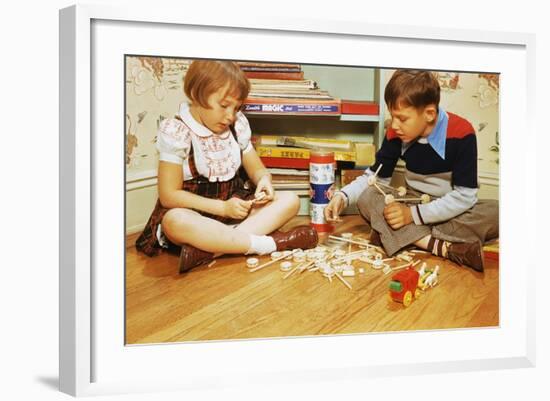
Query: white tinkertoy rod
{"x":270,"y":262}
{"x":350,"y":241}
{"x":405,"y":265}
{"x":408,"y":199}
{"x":379,"y":189}
{"x":342,"y":280}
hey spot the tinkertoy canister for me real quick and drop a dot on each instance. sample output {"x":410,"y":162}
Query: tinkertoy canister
{"x":321,"y":183}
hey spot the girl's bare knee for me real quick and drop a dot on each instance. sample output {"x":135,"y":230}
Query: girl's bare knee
{"x":177,"y":221}
{"x":291,"y":201}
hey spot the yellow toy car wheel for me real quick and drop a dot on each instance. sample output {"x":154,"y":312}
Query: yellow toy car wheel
{"x":417,"y":293}
{"x":407,"y":298}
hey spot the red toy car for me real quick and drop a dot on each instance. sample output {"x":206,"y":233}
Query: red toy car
{"x":404,"y":285}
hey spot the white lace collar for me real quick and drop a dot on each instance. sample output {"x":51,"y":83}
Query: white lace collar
{"x":197,"y":127}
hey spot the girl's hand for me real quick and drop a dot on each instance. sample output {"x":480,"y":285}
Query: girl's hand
{"x":334,"y":208}
{"x":397,"y":215}
{"x":236,"y":208}
{"x":265,"y":186}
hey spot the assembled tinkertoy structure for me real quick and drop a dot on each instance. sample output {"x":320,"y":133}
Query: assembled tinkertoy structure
{"x":401,"y":191}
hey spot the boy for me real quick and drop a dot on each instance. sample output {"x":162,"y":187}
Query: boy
{"x":440,"y":152}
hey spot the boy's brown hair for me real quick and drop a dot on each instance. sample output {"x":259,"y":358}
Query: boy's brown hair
{"x":414,"y":88}
{"x":204,"y":77}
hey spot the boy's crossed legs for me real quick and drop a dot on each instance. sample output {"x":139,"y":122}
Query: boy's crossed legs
{"x":459,"y":239}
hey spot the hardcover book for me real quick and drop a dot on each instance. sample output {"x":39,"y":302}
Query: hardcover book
{"x":292,"y":106}
{"x":363,"y":107}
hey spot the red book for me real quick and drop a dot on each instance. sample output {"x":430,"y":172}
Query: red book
{"x":285,"y":162}
{"x":274,"y":75}
{"x":360,"y":107}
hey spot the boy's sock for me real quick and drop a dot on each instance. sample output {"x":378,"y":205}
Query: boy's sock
{"x":438,"y":247}
{"x":261,"y":245}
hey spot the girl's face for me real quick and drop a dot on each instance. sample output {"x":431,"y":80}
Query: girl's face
{"x":410,"y":123}
{"x":222,"y":112}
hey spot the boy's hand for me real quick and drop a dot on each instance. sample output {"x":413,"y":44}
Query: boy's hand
{"x":236,"y":208}
{"x":333,"y":209}
{"x":397,"y":215}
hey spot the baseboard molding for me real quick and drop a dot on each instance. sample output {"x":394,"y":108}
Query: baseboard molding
{"x":141,"y":180}
{"x":135,"y":229}
{"x":486,"y":178}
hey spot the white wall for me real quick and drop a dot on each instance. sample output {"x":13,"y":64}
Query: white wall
{"x":29,"y":279}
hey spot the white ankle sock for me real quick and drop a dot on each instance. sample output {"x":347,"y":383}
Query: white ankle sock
{"x":261,"y":245}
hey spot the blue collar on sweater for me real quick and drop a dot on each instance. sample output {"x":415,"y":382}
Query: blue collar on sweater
{"x":437,"y":137}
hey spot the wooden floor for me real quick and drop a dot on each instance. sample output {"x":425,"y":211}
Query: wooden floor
{"x":226,"y":301}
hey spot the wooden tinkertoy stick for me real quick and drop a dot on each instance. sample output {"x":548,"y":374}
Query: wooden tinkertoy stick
{"x":399,"y":190}
{"x":386,"y":186}
{"x":342,"y":280}
{"x":306,"y":266}
{"x":347,"y":257}
{"x":258,"y":198}
{"x":405,"y":265}
{"x":388,"y":269}
{"x":291,"y":272}
{"x":350,"y":241}
{"x":366,"y":244}
{"x":379,"y":189}
{"x":270,"y":262}
{"x":408,"y":200}
{"x":377,"y":170}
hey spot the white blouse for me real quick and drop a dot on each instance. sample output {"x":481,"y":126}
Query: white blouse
{"x":217,"y":156}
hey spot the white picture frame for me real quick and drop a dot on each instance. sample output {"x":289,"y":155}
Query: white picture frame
{"x":93,"y":358}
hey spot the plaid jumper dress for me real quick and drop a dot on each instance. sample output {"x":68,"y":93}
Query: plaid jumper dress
{"x":239,"y":186}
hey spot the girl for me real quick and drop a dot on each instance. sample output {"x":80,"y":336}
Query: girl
{"x":200,"y":185}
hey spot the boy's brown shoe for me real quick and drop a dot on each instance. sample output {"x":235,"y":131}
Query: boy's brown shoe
{"x":192,"y":257}
{"x":303,"y":237}
{"x":467,"y":253}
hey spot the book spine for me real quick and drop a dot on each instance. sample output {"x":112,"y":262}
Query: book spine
{"x":299,"y":153}
{"x":252,"y":106}
{"x":280,"y":162}
{"x":251,"y":68}
{"x":273,"y":140}
{"x":263,"y":64}
{"x":367,"y":108}
{"x":283,"y":153}
{"x":274,"y":75}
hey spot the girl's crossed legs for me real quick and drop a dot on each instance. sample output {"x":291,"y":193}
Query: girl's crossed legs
{"x":186,"y":226}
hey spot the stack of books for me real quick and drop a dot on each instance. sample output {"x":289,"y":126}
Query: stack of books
{"x":254,"y":70}
{"x":282,"y":89}
{"x":294,"y":151}
{"x":289,"y":178}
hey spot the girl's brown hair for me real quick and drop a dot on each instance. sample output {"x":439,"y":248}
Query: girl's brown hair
{"x":414,"y":88}
{"x":204,"y":77}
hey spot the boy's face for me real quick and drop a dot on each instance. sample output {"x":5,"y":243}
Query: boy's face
{"x":222,"y":112}
{"x":410,"y":123}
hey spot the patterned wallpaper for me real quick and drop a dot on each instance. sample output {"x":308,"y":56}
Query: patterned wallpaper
{"x":475,"y":97}
{"x":154,"y":92}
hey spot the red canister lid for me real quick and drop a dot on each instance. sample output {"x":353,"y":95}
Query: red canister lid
{"x":321,"y":156}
